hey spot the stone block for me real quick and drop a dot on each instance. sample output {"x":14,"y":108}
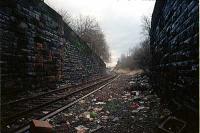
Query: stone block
{"x":38,"y":126}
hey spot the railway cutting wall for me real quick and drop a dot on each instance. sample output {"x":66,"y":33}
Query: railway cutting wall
{"x":38,"y":50}
{"x":174,"y":47}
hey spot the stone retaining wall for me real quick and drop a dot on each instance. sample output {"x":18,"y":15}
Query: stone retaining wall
{"x":38,"y":50}
{"x":175,"y":51}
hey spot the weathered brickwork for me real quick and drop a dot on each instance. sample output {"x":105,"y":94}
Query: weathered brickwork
{"x":175,"y":51}
{"x":38,"y":50}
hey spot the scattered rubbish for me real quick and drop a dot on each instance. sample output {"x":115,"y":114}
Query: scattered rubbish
{"x":98,"y":121}
{"x":8,"y":126}
{"x":99,"y":98}
{"x":135,"y":93}
{"x":94,"y":100}
{"x":127,"y":94}
{"x":135,"y":111}
{"x":85,"y":115}
{"x":68,"y":123}
{"x":82,"y":101}
{"x":109,"y":99}
{"x":124,"y":110}
{"x":48,"y":120}
{"x":76,"y":118}
{"x":100,"y":103}
{"x":93,"y":114}
{"x":45,"y":112}
{"x":132,"y":117}
{"x":139,"y":125}
{"x":107,"y":112}
{"x":124,"y":97}
{"x":144,"y":115}
{"x":172,"y":125}
{"x":88,"y":115}
{"x":81,"y":129}
{"x":145,"y":98}
{"x":104,"y":117}
{"x":141,"y":102}
{"x":135,"y":105}
{"x":97,"y":109}
{"x":131,"y":82}
{"x":140,"y":108}
{"x":69,"y":114}
{"x":115,"y":119}
{"x":114,"y":109}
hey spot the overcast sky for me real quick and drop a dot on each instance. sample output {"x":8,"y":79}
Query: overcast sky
{"x":119,"y":19}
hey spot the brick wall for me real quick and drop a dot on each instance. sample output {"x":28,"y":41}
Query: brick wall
{"x":38,"y":50}
{"x":175,"y":51}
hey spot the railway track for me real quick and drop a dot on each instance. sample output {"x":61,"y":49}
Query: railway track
{"x":18,"y":114}
{"x":44,"y":92}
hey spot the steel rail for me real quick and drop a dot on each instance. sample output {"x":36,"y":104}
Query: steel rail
{"x":21,"y":114}
{"x":46,"y":93}
{"x":49,"y":115}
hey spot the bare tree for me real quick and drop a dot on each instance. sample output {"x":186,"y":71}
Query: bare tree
{"x":90,"y":31}
{"x":65,"y":16}
{"x":146,"y":26}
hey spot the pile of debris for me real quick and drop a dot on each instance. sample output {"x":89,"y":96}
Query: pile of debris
{"x":119,"y":107}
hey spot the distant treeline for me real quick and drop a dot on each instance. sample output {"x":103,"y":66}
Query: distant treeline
{"x":138,"y":57}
